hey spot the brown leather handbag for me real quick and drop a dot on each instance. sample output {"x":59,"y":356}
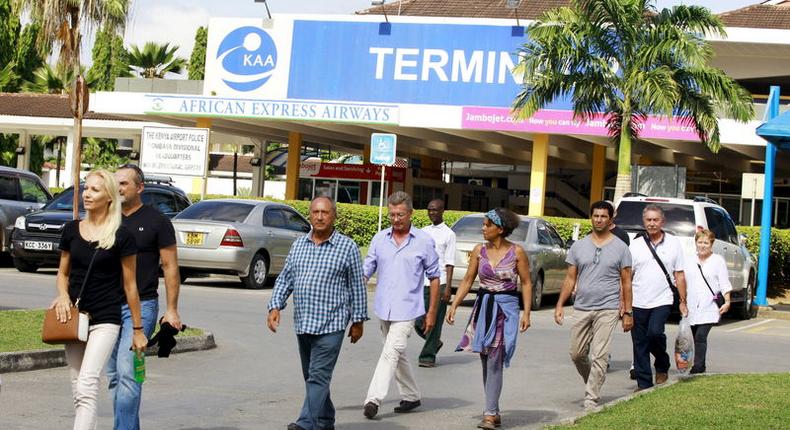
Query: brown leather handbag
{"x":75,"y":329}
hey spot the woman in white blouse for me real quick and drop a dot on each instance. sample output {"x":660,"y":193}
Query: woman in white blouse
{"x":703,"y":311}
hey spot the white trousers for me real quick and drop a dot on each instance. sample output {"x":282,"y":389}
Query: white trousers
{"x":86,"y":361}
{"x":393,"y":361}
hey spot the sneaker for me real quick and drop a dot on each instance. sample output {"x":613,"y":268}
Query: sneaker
{"x":370,"y":410}
{"x":427,"y":364}
{"x":294,"y":426}
{"x":591,"y":405}
{"x":661,"y":378}
{"x":407,"y":405}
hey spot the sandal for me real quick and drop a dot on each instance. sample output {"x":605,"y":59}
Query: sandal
{"x":488,"y":423}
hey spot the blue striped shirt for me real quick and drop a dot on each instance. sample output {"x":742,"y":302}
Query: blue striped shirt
{"x":326,"y":282}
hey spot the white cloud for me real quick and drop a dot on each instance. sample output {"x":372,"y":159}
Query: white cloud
{"x":166,"y":23}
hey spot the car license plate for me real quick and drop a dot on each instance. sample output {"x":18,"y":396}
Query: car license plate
{"x":194,"y":238}
{"x":38,"y":245}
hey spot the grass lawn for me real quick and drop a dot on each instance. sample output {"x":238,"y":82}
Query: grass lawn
{"x":20,"y":330}
{"x":756,"y":401}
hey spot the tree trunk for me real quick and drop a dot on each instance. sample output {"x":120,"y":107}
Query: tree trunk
{"x":623,"y":184}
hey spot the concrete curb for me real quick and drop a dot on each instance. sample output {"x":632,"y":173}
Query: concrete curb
{"x":22,"y":361}
{"x":770,"y":312}
{"x":574,"y":419}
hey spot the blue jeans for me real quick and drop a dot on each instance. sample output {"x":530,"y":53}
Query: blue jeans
{"x":648,"y":338}
{"x":318,"y":354}
{"x":124,"y":390}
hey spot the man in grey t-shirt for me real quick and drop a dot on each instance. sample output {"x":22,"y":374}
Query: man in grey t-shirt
{"x":599,"y":268}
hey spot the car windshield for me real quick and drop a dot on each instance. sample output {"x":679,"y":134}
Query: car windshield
{"x":217,"y":211}
{"x":63,"y":201}
{"x":680,"y":217}
{"x":469,"y":229}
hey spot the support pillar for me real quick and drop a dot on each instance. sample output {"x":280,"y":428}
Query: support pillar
{"x":366,"y":153}
{"x":292,"y":168}
{"x":598,"y":173}
{"x":23,"y":160}
{"x":259,"y":171}
{"x":204,"y":123}
{"x":65,"y":178}
{"x":537,"y":180}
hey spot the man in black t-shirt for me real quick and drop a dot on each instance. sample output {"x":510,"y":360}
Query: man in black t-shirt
{"x":156,"y":240}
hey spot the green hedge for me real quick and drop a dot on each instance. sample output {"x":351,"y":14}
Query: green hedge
{"x":360,"y":221}
{"x":779,"y":259}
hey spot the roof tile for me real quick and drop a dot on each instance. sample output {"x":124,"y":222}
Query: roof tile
{"x":42,"y":105}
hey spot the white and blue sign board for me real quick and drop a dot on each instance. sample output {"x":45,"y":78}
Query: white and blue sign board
{"x":459,"y":62}
{"x":382,"y":148}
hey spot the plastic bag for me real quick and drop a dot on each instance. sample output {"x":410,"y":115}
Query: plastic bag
{"x":684,"y":346}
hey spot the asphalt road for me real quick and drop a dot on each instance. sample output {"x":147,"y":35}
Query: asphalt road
{"x":252,"y":380}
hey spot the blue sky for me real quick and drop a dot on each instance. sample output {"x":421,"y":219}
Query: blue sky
{"x":176,"y":21}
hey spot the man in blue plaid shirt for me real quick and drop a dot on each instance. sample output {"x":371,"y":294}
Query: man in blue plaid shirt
{"x":324,"y":272}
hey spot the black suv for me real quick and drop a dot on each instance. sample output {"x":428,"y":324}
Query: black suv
{"x":21,"y":192}
{"x":35,"y":238}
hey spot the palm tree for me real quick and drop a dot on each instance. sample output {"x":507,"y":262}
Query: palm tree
{"x":49,"y":80}
{"x":7,"y":76}
{"x":627,"y":60}
{"x":155,"y":60}
{"x":62,"y":22}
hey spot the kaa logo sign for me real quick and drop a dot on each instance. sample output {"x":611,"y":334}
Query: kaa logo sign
{"x":248,"y":57}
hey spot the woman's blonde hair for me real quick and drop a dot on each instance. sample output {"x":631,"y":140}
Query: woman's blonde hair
{"x":705,"y":233}
{"x":113,"y":219}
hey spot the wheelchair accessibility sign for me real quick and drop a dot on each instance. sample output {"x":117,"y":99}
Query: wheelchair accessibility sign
{"x":382,"y":148}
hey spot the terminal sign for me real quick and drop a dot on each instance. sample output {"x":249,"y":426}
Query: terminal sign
{"x":174,"y":150}
{"x":382,"y":148}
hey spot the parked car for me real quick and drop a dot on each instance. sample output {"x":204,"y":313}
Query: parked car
{"x":35,"y":237}
{"x":245,"y":238}
{"x":683,"y":218}
{"x":21,"y":192}
{"x":544,"y":247}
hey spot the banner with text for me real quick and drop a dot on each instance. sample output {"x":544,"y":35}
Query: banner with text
{"x":562,"y":122}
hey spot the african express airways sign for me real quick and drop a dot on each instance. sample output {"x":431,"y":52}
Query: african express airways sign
{"x":406,"y":63}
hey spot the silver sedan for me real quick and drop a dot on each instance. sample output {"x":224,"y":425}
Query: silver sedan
{"x":246,"y":238}
{"x":541,"y":242}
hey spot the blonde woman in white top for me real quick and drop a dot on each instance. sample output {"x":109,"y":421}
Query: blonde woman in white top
{"x":703,"y":311}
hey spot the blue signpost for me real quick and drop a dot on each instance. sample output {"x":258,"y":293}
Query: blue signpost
{"x":776,"y":131}
{"x":382,"y":152}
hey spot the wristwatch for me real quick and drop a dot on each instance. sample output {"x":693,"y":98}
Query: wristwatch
{"x":629,"y":313}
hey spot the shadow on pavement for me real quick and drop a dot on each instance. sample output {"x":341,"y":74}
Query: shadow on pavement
{"x":527,"y":417}
{"x":211,"y":428}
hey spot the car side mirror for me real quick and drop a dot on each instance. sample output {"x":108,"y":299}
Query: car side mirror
{"x":306,"y":228}
{"x":568,"y":243}
{"x":742,"y":239}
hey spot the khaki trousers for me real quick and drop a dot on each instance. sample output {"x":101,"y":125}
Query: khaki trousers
{"x":591,"y":336}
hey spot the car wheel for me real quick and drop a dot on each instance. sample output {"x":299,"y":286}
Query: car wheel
{"x":744,"y":311}
{"x":258,"y":273}
{"x":24,"y":266}
{"x":537,"y":293}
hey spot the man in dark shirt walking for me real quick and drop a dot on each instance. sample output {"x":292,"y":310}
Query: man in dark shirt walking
{"x":156,"y":240}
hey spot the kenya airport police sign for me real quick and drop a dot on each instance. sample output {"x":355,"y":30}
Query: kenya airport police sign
{"x":174,"y":150}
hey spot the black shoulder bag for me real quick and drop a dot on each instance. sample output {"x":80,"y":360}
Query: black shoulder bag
{"x":675,"y":293}
{"x":717,"y":297}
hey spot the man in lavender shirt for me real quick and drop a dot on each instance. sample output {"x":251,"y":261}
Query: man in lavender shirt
{"x":401,"y":255}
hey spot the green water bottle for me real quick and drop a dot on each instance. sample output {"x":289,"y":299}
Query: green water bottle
{"x":139,"y":367}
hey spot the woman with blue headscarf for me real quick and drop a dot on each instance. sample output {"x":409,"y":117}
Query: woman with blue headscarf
{"x":495,"y":321}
